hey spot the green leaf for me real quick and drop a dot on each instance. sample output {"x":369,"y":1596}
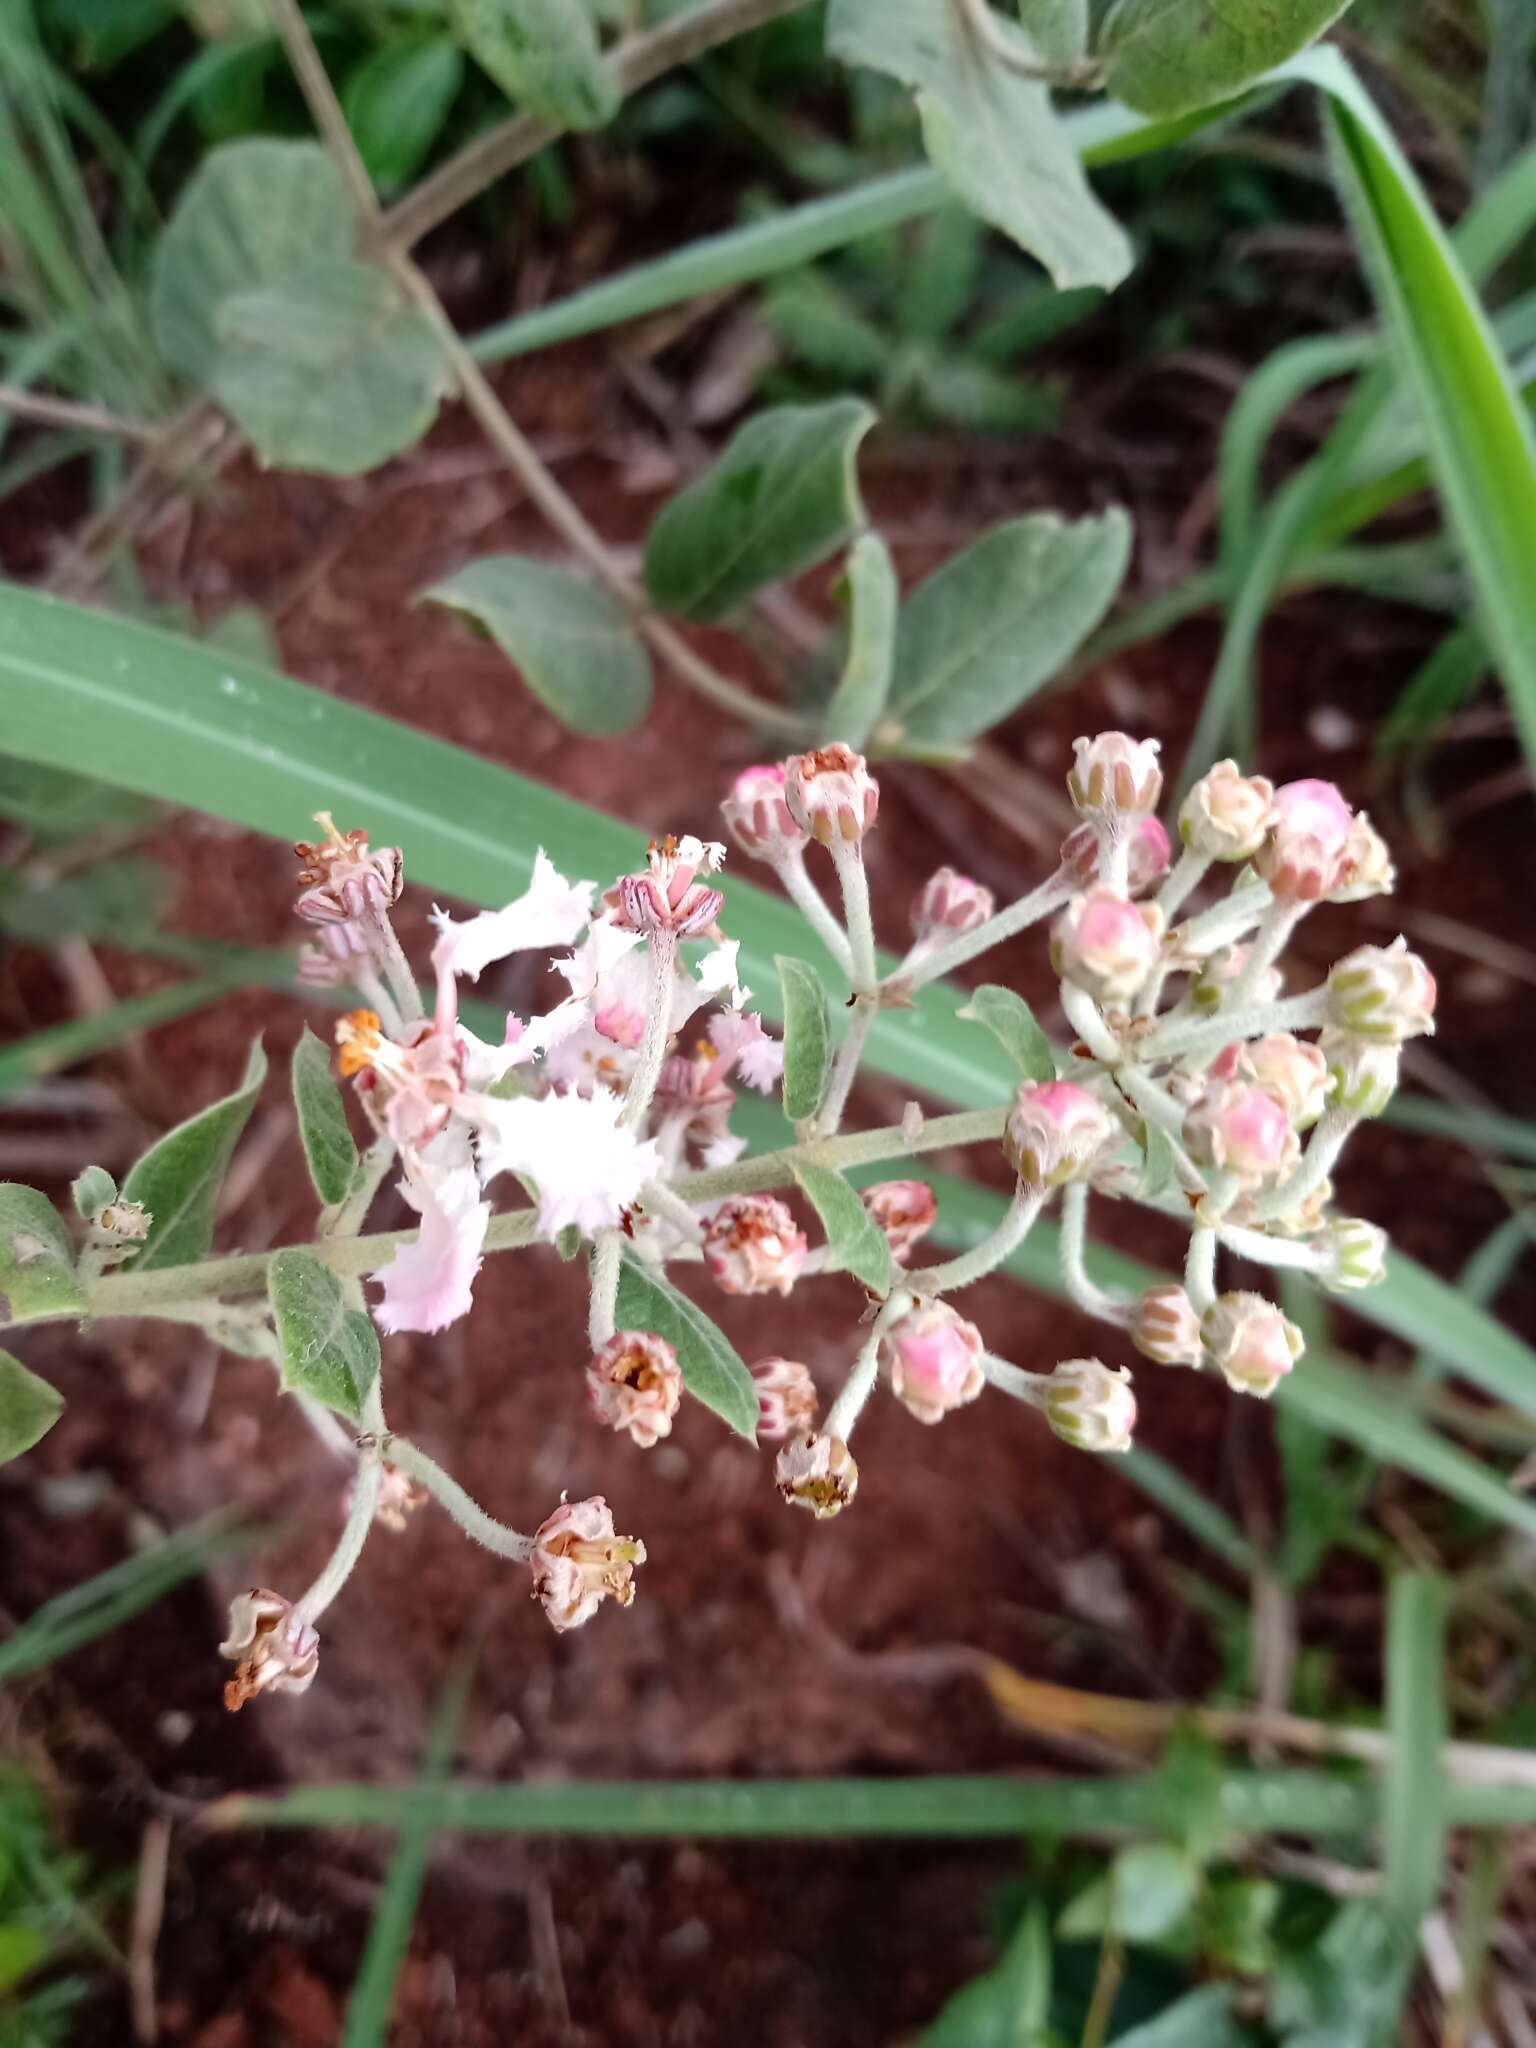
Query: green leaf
{"x":992,"y":133}
{"x":256,"y":212}
{"x":1413,"y":1799}
{"x":855,"y":1244}
{"x":782,"y":497}
{"x":323,"y":1127}
{"x":37,"y":1259}
{"x":22,"y":1947}
{"x":329,"y":369}
{"x":1008,"y":2006}
{"x":1147,"y":1891}
{"x":994,"y":624}
{"x":1057,"y":28}
{"x":544,"y":54}
{"x":1201,"y":2019}
{"x":116,"y":899}
{"x":29,"y":1408}
{"x":574,"y":644}
{"x":92,"y":1190}
{"x":178,"y":1179}
{"x":1160,"y":1171}
{"x":330,"y":1351}
{"x":1012,"y":1023}
{"x":1167,"y":57}
{"x":396,"y":100}
{"x":874,"y":596}
{"x":807,"y":1036}
{"x":712,"y":1371}
{"x":60,"y":1045}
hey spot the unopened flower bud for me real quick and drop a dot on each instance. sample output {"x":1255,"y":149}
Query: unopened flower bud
{"x":1290,"y":1067}
{"x":1054,"y":1132}
{"x":669,"y":897}
{"x":1147,"y":855}
{"x":786,"y":1398}
{"x":949,"y":903}
{"x":752,"y":1245}
{"x":122,"y":1222}
{"x":934,"y":1359}
{"x":1166,"y":1327}
{"x":1305,"y":855}
{"x":817,"y":1472}
{"x":1242,"y":1128}
{"x":1113,"y":772}
{"x":1251,"y":1342}
{"x":1216,"y":974}
{"x":1362,"y":1072}
{"x":1367,"y":867}
{"x":635,"y":1384}
{"x":341,"y":880}
{"x":757,"y":816}
{"x":1105,"y":944}
{"x":1382,"y":992}
{"x":578,"y":1562}
{"x":1356,"y":1255}
{"x":1227,"y":814}
{"x":904,"y":1210}
{"x":1090,"y":1407}
{"x":831,"y":793}
{"x":272,"y":1649}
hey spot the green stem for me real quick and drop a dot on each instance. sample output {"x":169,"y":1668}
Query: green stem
{"x":987,"y":1256}
{"x":466,"y":1511}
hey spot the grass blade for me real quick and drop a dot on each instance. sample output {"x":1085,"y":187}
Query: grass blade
{"x":46,"y":1052}
{"x":1414,"y":1793}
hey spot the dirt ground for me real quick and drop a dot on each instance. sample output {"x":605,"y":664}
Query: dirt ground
{"x":983,"y":1533}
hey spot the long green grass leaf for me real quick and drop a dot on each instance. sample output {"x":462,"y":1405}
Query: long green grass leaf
{"x":1413,"y":1797}
{"x":46,"y":1052}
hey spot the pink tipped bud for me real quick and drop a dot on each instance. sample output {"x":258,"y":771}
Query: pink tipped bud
{"x":670,"y":897}
{"x":1227,"y":814}
{"x":1382,"y":992}
{"x":635,"y":1384}
{"x":1367,"y":869}
{"x":1147,"y":859}
{"x":1291,"y":1068}
{"x":1251,"y":1342}
{"x":1090,"y":1407}
{"x":1306,"y":854}
{"x":1355,"y":1254}
{"x":1113,"y":772}
{"x":831,"y":793}
{"x":578,"y":1562}
{"x":1105,"y":944}
{"x":1166,"y":1327}
{"x":786,"y":1398}
{"x":1362,"y":1072}
{"x":905,"y":1211}
{"x":752,"y":1245}
{"x":1055,"y":1130}
{"x":1242,"y":1128}
{"x":817,"y":1472}
{"x":756,"y":815}
{"x":341,"y":880}
{"x":934,"y":1359}
{"x":1208,"y":989}
{"x":272,"y":1648}
{"x":950,"y":903}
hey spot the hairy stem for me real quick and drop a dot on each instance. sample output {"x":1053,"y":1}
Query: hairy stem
{"x":467,"y":1512}
{"x":987,"y":1256}
{"x":860,"y":1383}
{"x":1085,"y":1292}
{"x":853,"y":880}
{"x":812,"y":906}
{"x":603,"y":1285}
{"x":343,"y":1559}
{"x":845,"y":1066}
{"x":1028,"y":910}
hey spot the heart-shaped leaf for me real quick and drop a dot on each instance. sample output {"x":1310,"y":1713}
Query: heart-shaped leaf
{"x":330,"y":1351}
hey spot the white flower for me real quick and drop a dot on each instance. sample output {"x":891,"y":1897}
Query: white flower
{"x":739,"y":1038}
{"x":717,"y":974}
{"x":550,"y":912}
{"x":427,"y":1283}
{"x":587,"y":1168}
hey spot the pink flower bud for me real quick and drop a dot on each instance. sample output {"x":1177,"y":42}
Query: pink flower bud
{"x":949,"y":903}
{"x":670,"y":897}
{"x":1054,"y":1132}
{"x":905,"y":1210}
{"x":1148,"y":855}
{"x":1113,"y":772}
{"x":635,"y":1384}
{"x":1251,"y":1342}
{"x":1367,"y":868}
{"x":786,"y":1398}
{"x":756,"y":815}
{"x":1382,"y":992}
{"x":1227,"y":814}
{"x":1242,"y":1128}
{"x":1216,"y":974}
{"x":1362,"y":1072}
{"x":341,"y":880}
{"x":273,"y":1650}
{"x":1355,"y":1253}
{"x":1090,"y":1407}
{"x":752,"y":1245}
{"x":817,"y":1472}
{"x":1304,"y":857}
{"x":934,"y":1359}
{"x":831,"y":793}
{"x":1290,"y":1068}
{"x":578,"y":1562}
{"x":1104,"y":943}
{"x":1166,"y":1327}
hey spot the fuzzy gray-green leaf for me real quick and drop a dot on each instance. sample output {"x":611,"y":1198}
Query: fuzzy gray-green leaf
{"x":544,"y":54}
{"x":179,"y":1177}
{"x":92,"y":1190}
{"x":1168,"y":57}
{"x":874,"y":597}
{"x":855,"y":1244}
{"x":330,"y":1351}
{"x":573,"y":643}
{"x":37,"y":1259}
{"x":712,"y":1371}
{"x":324,"y":1132}
{"x":1013,"y":1024}
{"x":807,"y":1036}
{"x":29,"y":1408}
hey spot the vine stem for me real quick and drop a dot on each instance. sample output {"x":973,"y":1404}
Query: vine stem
{"x":466,"y":1511}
